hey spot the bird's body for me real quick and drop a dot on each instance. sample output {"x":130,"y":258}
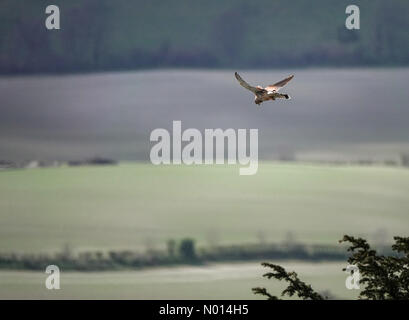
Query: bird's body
{"x":268,"y":93}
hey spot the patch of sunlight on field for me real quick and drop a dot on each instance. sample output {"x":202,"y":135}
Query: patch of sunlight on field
{"x":135,"y":206}
{"x":216,"y":281}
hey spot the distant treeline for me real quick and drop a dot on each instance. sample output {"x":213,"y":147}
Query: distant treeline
{"x":95,"y":161}
{"x":102,"y":161}
{"x":98,"y":35}
{"x":177,"y":253}
{"x":12,"y":165}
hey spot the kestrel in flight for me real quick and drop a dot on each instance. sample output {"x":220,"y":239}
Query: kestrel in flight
{"x":268,"y":93}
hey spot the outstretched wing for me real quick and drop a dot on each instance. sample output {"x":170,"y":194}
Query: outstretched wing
{"x":277,"y":86}
{"x":246,"y":85}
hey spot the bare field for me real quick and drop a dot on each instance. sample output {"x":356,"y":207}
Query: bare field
{"x":218,"y":281}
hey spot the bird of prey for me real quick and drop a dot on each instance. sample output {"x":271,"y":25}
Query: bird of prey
{"x":268,"y":93}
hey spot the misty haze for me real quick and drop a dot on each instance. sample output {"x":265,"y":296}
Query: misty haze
{"x":335,"y":114}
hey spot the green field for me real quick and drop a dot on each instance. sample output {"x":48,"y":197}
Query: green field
{"x":141,"y":206}
{"x":221,"y":281}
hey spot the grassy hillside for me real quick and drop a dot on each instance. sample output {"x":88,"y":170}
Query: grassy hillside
{"x":140,"y":206}
{"x":101,"y":34}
